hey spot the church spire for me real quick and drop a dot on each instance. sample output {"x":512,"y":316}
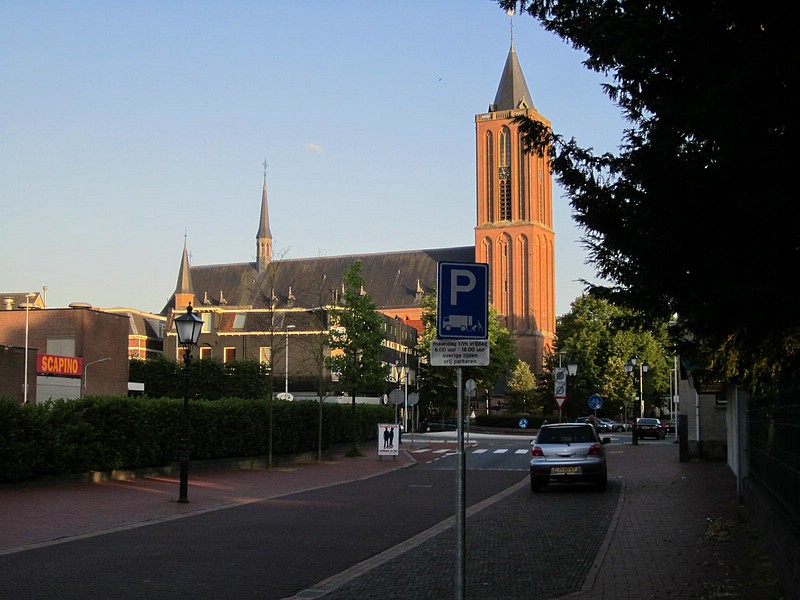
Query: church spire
{"x":513,"y":91}
{"x":264,"y":235}
{"x":184,"y":292}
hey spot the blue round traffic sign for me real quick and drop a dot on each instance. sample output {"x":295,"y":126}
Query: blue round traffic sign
{"x":595,"y":401}
{"x":523,"y":423}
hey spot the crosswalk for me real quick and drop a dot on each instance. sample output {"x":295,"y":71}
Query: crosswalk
{"x":445,"y":451}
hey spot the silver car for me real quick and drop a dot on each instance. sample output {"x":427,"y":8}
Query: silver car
{"x":568,"y":453}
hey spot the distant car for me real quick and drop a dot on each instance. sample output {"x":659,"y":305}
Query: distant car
{"x":612,"y":425}
{"x":647,"y":427}
{"x":598,"y":424}
{"x":568,"y":453}
{"x":671,"y":427}
{"x":440,"y":424}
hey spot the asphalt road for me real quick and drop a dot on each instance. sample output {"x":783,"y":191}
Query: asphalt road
{"x":264,"y":550}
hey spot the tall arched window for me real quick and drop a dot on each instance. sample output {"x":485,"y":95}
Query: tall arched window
{"x":504,"y":174}
{"x":522,"y":180}
{"x":489,"y":190}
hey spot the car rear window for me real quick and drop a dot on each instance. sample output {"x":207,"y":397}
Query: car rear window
{"x":565,"y":435}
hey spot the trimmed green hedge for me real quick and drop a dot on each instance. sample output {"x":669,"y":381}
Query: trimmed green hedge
{"x":107,"y":433}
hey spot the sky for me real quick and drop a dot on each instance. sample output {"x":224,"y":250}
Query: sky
{"x":127,"y":127}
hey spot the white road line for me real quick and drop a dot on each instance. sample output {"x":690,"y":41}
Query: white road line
{"x":501,"y":451}
{"x":480,"y":450}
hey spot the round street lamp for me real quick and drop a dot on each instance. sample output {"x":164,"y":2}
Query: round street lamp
{"x":638,"y":377}
{"x":188,"y":327}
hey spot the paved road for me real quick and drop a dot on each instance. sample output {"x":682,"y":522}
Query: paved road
{"x":260,"y":550}
{"x":363,"y":528}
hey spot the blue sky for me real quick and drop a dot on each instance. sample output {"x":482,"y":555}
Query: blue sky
{"x":124,"y":125}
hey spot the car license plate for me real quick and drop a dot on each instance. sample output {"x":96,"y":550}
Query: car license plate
{"x":566,"y":470}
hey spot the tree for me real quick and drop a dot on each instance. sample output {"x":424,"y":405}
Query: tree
{"x":355,"y":340}
{"x":437,"y":384}
{"x":601,"y":337}
{"x":696,"y":214}
{"x":521,"y":394}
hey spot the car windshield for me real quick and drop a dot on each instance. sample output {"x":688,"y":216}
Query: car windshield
{"x":648,"y":421}
{"x":565,"y":435}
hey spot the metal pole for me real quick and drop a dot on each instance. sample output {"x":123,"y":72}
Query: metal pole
{"x":25,"y":383}
{"x":184,"y":482}
{"x":461,"y":494}
{"x":286,"y":368}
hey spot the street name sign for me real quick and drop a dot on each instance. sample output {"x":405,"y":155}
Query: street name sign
{"x":462,"y":301}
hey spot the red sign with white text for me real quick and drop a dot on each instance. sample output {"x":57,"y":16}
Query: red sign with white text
{"x":66,"y":366}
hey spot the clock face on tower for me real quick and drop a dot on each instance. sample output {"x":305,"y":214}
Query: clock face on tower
{"x":504,"y":172}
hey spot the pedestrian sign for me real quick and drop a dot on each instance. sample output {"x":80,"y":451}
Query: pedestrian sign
{"x":462,"y":301}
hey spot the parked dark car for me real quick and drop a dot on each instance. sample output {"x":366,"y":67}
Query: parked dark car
{"x":440,"y":424}
{"x":568,"y":453}
{"x":647,"y":427}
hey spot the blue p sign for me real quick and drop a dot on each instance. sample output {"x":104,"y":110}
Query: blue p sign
{"x":463,"y":303}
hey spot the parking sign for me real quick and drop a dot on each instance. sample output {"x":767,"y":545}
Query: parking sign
{"x":462,"y":301}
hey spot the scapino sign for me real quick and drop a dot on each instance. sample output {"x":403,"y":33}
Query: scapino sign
{"x":66,"y":366}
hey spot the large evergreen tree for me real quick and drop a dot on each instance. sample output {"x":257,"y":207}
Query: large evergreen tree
{"x":696,"y":214}
{"x":355,"y":340}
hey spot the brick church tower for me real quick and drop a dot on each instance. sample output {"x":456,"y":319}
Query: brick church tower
{"x":514,"y":232}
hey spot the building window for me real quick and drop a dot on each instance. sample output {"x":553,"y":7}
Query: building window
{"x":61,"y":346}
{"x":504,"y":174}
{"x":206,"y":322}
{"x":205,"y":352}
{"x":238,"y":320}
{"x":522,"y":176}
{"x":230,"y":354}
{"x":489,"y":207}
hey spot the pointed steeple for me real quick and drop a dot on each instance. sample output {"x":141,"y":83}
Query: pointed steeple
{"x":512,"y":92}
{"x":264,"y":235}
{"x":184,"y":292}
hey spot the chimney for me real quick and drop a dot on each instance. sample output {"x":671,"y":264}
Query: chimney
{"x":8,"y":303}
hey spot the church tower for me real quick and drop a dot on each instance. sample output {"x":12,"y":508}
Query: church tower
{"x":264,"y":235}
{"x":184,"y":292}
{"x":514,"y":232}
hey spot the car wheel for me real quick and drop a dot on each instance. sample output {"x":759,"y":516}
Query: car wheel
{"x":602,"y":483}
{"x":536,"y":485}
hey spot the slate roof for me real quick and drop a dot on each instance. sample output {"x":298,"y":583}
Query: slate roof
{"x":392,"y":279}
{"x":513,"y":90}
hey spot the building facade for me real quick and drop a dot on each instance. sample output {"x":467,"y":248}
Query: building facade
{"x":71,"y":352}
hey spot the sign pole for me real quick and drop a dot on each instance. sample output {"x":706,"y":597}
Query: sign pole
{"x":461,"y":494}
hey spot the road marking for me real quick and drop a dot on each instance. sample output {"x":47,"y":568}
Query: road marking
{"x":521,"y":451}
{"x":480,"y":450}
{"x":501,"y":451}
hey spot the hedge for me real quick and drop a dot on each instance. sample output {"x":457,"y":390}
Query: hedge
{"x":106,"y":433}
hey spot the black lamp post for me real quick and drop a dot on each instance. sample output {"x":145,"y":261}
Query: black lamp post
{"x":638,"y":376}
{"x":188,"y":327}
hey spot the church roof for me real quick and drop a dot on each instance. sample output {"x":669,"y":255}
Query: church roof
{"x":263,"y":222}
{"x":393,"y":280}
{"x":513,"y":91}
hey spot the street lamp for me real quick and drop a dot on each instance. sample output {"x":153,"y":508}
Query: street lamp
{"x":85,"y":367}
{"x":188,"y":327}
{"x":638,"y":377}
{"x":286,"y":365}
{"x":27,"y":306}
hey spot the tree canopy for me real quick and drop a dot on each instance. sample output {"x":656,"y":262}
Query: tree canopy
{"x":695,"y":214}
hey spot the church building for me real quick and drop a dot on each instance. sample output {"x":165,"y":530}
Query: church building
{"x":245,"y":305}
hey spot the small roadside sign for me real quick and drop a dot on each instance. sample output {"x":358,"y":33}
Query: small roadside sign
{"x":388,"y":439}
{"x":523,"y":423}
{"x":595,"y":401}
{"x":459,"y":353}
{"x":462,"y":298}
